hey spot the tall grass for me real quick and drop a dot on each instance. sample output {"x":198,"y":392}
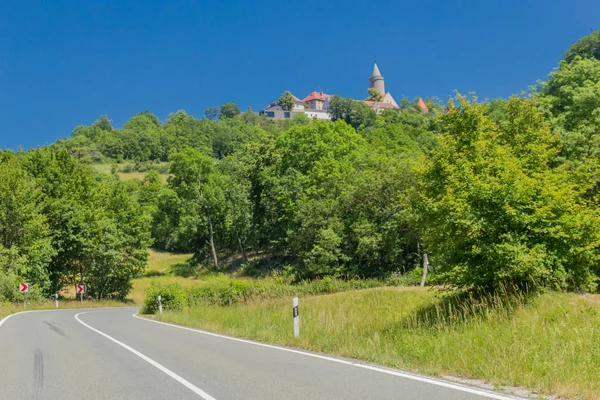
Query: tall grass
{"x":550,"y":343}
{"x":222,"y":290}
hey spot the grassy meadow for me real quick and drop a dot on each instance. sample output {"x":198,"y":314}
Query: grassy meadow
{"x":160,"y":265}
{"x":106,"y":169}
{"x":550,"y":344}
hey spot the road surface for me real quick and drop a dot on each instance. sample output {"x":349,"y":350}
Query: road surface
{"x":110,"y":354}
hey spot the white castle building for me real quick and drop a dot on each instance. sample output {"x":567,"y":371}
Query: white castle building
{"x":316,"y":104}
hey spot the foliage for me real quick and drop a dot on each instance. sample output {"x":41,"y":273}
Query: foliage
{"x":515,"y":220}
{"x":571,"y":96}
{"x":224,"y":291}
{"x":286,"y":101}
{"x":25,"y":244}
{"x":355,"y":113}
{"x":586,"y":47}
{"x":229,"y":110}
{"x":211,"y":113}
{"x":548,"y":344}
{"x":374,"y":95}
{"x":172,"y":297}
{"x":504,"y":191}
{"x":60,"y":225}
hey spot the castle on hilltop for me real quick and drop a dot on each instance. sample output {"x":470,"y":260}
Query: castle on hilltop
{"x":316,"y":104}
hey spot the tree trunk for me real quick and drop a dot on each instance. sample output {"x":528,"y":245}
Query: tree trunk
{"x":244,"y":258}
{"x":212,"y":243}
{"x":425,"y":265}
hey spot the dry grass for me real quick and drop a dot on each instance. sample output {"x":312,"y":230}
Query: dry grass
{"x":106,"y":169}
{"x":160,"y":262}
{"x":125,"y":176}
{"x":550,"y":344}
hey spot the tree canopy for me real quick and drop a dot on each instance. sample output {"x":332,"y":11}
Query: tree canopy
{"x":286,"y":101}
{"x":501,"y":192}
{"x":586,"y":47}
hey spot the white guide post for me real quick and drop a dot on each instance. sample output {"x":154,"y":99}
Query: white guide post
{"x":296,"y":317}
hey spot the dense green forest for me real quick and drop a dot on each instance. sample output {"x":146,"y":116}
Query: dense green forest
{"x":496,"y":192}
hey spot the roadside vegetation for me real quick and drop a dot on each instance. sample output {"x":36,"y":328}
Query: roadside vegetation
{"x":243,"y":212}
{"x":7,"y":308}
{"x":549,"y":344}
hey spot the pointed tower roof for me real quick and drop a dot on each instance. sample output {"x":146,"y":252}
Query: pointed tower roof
{"x":376,"y":73}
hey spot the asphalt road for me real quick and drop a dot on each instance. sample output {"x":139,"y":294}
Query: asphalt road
{"x":110,"y":354}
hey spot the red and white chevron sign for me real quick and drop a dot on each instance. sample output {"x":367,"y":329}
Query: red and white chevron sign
{"x":24,"y":287}
{"x":80,"y":289}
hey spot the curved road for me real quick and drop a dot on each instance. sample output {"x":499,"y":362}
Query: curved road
{"x":110,"y":354}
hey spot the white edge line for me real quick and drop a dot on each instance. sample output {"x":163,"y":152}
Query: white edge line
{"x":3,"y":320}
{"x":150,"y":361}
{"x":406,"y":375}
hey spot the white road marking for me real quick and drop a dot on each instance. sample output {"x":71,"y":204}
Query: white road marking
{"x":60,"y":310}
{"x":401,"y":374}
{"x":150,"y":361}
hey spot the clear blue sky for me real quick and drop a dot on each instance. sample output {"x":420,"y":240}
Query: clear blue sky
{"x":64,"y":63}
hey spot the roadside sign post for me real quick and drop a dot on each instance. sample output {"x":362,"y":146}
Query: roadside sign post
{"x":80,"y":289}
{"x":296,"y":317}
{"x":24,"y":288}
{"x":159,"y":304}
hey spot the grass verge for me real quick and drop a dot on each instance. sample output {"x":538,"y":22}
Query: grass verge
{"x":550,"y":344}
{"x":11,"y":308}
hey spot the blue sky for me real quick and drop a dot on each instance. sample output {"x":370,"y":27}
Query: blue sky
{"x":64,"y":63}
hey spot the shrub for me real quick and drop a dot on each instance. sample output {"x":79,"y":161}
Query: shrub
{"x":128,"y":168}
{"x":173,"y":298}
{"x":411,"y":278}
{"x":9,"y":287}
{"x":221,"y":293}
{"x":9,"y":290}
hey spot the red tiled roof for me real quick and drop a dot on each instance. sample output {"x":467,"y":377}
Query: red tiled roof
{"x":422,"y":105}
{"x":317,"y":96}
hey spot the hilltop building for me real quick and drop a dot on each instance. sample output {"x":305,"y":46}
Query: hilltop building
{"x":376,"y":81}
{"x":316,"y":104}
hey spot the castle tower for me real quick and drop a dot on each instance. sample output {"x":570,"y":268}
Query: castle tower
{"x":376,"y":80}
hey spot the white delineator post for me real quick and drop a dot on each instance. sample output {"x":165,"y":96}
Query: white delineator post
{"x":159,"y":304}
{"x":56,"y":299}
{"x":296,"y":317}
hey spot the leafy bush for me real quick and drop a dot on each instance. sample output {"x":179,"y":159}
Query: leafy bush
{"x":9,"y":290}
{"x":173,"y":298}
{"x":231,"y":291}
{"x":514,"y":221}
{"x":128,"y":168}
{"x":222,"y":293}
{"x":411,"y":278}
{"x":9,"y":287}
